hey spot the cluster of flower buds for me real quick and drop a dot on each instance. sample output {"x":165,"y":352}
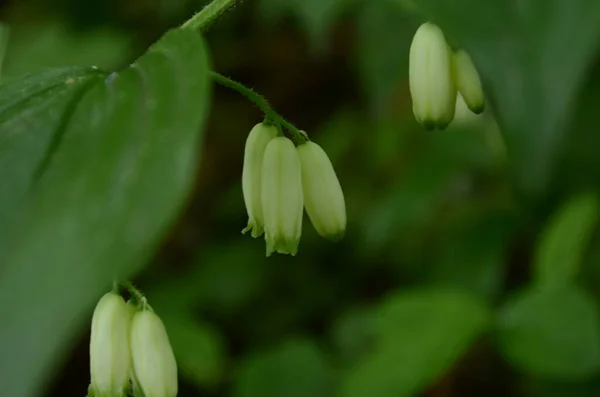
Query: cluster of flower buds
{"x":438,"y":75}
{"x":279,"y":180}
{"x":130,"y":351}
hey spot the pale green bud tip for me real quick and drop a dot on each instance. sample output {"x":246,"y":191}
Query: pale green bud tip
{"x":110,"y":359}
{"x":431,"y":81}
{"x":323,"y":196}
{"x":468,"y":82}
{"x":155,"y":368}
{"x":254,"y":151}
{"x":255,"y":229}
{"x":282,"y":197}
{"x":281,"y":245}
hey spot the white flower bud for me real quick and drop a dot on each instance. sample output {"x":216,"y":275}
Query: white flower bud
{"x":430,"y":76}
{"x":468,"y":82}
{"x":282,"y":199}
{"x":154,"y":364}
{"x":254,"y":152}
{"x":110,"y":357}
{"x":323,"y":196}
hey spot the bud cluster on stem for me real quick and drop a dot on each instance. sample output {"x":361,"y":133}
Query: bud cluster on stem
{"x":279,"y":180}
{"x":130,"y":350}
{"x":438,"y":76}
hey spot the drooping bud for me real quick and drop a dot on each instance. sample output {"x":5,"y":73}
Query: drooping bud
{"x":254,"y":152}
{"x":323,"y":196}
{"x":155,"y":368}
{"x":110,"y":357}
{"x":430,"y":76}
{"x":282,"y":198}
{"x":468,"y":82}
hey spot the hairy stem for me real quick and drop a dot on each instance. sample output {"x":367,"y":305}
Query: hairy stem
{"x":209,"y":14}
{"x":271,"y":115}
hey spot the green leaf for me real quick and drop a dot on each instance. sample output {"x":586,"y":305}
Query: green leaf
{"x":33,"y":47}
{"x":32,"y":113}
{"x":199,"y":349}
{"x":421,"y":335}
{"x":473,"y":255}
{"x":564,"y":241}
{"x":316,"y":17}
{"x":531,"y":73}
{"x":551,"y":333}
{"x":384,"y":36}
{"x":124,"y":167}
{"x":353,"y":334}
{"x":295,"y":368}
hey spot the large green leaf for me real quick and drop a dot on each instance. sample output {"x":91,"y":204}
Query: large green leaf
{"x":530,"y":71}
{"x":564,"y":241}
{"x":124,"y":166}
{"x":421,"y":335}
{"x":551,"y":333}
{"x":32,"y":113}
{"x":295,"y":368}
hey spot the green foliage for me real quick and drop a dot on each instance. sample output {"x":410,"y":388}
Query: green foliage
{"x":294,"y":368}
{"x":420,"y":335}
{"x":31,"y":114}
{"x":95,"y":168}
{"x":199,"y":349}
{"x":532,"y":75}
{"x":316,"y":17}
{"x":562,"y":246}
{"x":111,"y":188}
{"x":551,"y":333}
{"x":51,"y":45}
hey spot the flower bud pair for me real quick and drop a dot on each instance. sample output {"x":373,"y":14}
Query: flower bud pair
{"x":293,"y":178}
{"x":437,"y":75}
{"x":128,"y":344}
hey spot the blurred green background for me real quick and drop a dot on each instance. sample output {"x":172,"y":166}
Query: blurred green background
{"x":429,"y":293}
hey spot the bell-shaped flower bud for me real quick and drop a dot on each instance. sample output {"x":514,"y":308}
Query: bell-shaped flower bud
{"x":110,"y":357}
{"x":154,"y":365}
{"x":282,"y":199}
{"x":323,"y":196}
{"x":468,"y":82}
{"x":254,"y":152}
{"x":430,"y":76}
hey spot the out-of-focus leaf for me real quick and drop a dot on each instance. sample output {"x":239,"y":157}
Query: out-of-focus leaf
{"x":418,"y":193}
{"x":296,"y":368}
{"x":473,"y":257}
{"x":541,"y":388}
{"x":421,"y":335}
{"x":551,"y":333}
{"x":353,"y":334}
{"x":384,"y":36}
{"x":50,"y":45}
{"x":199,"y":349}
{"x":122,"y":170}
{"x":316,"y":17}
{"x":226,"y":279}
{"x":531,"y":73}
{"x":32,"y":113}
{"x":564,"y":241}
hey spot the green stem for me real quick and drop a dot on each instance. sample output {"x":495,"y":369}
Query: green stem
{"x":136,"y":294}
{"x":271,"y":115}
{"x":209,"y":14}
